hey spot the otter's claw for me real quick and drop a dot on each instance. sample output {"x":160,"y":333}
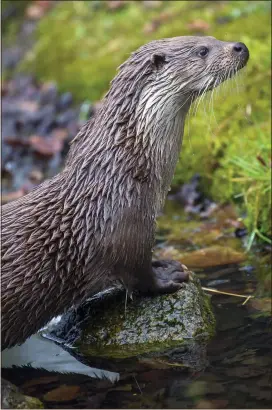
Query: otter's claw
{"x":169,"y":276}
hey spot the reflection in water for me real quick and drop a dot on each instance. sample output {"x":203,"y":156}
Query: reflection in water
{"x":40,"y":353}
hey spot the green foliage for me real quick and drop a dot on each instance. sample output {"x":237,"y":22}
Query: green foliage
{"x":255,"y":177}
{"x":81,"y":43}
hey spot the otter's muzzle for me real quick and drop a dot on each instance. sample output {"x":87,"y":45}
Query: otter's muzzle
{"x":240,"y":51}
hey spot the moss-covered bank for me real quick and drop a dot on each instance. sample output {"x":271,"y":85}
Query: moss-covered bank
{"x":80,"y":44}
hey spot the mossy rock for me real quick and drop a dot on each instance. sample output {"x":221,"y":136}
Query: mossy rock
{"x":124,"y":334}
{"x":12,"y":398}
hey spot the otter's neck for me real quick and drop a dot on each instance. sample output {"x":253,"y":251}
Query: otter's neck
{"x":134,"y":139}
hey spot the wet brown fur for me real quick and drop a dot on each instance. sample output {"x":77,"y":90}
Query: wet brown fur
{"x":94,"y":223}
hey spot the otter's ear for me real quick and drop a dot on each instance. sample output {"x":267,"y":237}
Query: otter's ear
{"x":158,"y":60}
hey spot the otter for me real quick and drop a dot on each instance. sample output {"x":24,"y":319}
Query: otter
{"x":94,"y":222}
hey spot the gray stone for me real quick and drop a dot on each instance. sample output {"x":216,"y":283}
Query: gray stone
{"x":120,"y":334}
{"x":12,"y":398}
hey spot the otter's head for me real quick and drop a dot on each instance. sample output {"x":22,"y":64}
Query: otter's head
{"x":183,"y":65}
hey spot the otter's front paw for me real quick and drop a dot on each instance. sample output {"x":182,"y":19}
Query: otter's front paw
{"x":168,"y":276}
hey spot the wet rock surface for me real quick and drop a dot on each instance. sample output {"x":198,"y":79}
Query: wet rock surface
{"x":12,"y":398}
{"x":123,"y":334}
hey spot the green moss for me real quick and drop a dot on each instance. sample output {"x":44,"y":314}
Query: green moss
{"x":208,"y":316}
{"x":80,"y":44}
{"x":148,"y":325}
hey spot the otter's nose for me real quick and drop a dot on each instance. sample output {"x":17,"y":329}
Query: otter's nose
{"x":240,"y":49}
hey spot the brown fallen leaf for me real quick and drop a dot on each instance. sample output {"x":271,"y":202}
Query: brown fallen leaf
{"x":199,"y":25}
{"x":151,"y":27}
{"x":16,"y":142}
{"x":115,"y":4}
{"x":212,"y":256}
{"x":212,"y":404}
{"x":202,"y":258}
{"x":166,"y":15}
{"x":62,"y":393}
{"x":44,"y":4}
{"x":34,"y":12}
{"x":4,"y":88}
{"x":28,"y":106}
{"x":38,"y":9}
{"x":262,"y":304}
{"x":12,"y":196}
{"x":40,"y":380}
{"x":46,"y":147}
{"x":60,"y":134}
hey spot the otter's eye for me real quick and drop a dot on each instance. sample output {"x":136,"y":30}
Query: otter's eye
{"x":158,"y":60}
{"x":203,"y":52}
